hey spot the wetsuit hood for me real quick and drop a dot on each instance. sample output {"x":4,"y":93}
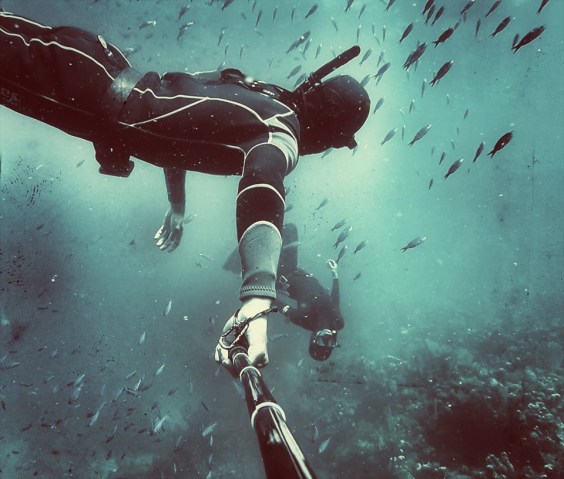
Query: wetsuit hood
{"x":322,"y":343}
{"x":331,"y":112}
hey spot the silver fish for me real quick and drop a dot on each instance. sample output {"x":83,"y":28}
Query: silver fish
{"x":157,"y":425}
{"x":142,"y":338}
{"x":209,"y":429}
{"x":148,"y":23}
{"x":276,"y":337}
{"x":341,"y":253}
{"x":159,"y":370}
{"x":343,"y":236}
{"x":479,"y":151}
{"x":168,"y":308}
{"x":413,"y":243}
{"x":323,"y":446}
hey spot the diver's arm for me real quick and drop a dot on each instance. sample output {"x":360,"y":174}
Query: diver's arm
{"x":335,"y":296}
{"x":168,"y":236}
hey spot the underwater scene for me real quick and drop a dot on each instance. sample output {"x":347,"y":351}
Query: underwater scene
{"x":445,"y":224}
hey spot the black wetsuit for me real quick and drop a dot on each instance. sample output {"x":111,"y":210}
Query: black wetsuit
{"x":216,"y":122}
{"x":316,"y":309}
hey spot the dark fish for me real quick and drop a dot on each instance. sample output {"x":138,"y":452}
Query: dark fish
{"x":428,"y":5}
{"x":466,"y":114}
{"x":221,"y":34}
{"x":413,"y":243}
{"x":415,"y":55}
{"x":430,"y":14}
{"x":80,"y":163}
{"x":294,"y":71}
{"x":529,"y":37}
{"x":183,"y":29}
{"x":501,"y":143}
{"x":453,"y":167}
{"x":360,"y":245}
{"x":318,"y":50}
{"x":182,"y":11}
{"x":406,"y":32}
{"x":366,"y":55}
{"x":380,"y":58}
{"x":322,"y":204}
{"x":302,"y":39}
{"x":493,"y":7}
{"x":443,"y":154}
{"x":383,"y":69}
{"x":341,"y":253}
{"x":467,"y":7}
{"x":501,"y":26}
{"x":363,"y":8}
{"x":358,"y":275}
{"x":444,"y":36}
{"x":423,"y":86}
{"x":402,"y":132}
{"x":339,"y":224}
{"x":349,"y":4}
{"x":420,"y":134}
{"x":412,"y":106}
{"x":334,"y":24}
{"x":478,"y":23}
{"x":479,"y":151}
{"x":542,"y":5}
{"x":311,"y":11}
{"x":383,"y":33}
{"x":293,"y":14}
{"x":430,"y":183}
{"x":274,"y":13}
{"x":226,"y":4}
{"x":259,"y":16}
{"x":440,"y":12}
{"x":343,"y":236}
{"x":378,"y":105}
{"x":390,"y":3}
{"x":389,"y":136}
{"x":442,"y":72}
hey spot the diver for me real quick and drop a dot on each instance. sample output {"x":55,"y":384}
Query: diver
{"x":316,"y":310}
{"x":221,"y":122}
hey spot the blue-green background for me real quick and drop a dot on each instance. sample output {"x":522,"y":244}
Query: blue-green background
{"x":81,"y":274}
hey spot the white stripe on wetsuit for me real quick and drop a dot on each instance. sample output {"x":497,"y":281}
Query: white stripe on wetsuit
{"x":262,"y":185}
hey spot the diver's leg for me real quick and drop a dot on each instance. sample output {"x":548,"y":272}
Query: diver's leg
{"x":289,"y":255}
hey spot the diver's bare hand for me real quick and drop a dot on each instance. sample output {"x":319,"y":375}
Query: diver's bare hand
{"x":255,"y":336}
{"x":333,"y":267}
{"x":168,"y":236}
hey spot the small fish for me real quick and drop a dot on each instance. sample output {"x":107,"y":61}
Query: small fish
{"x":453,"y":167}
{"x":380,"y":58}
{"x":148,"y":23}
{"x":365,"y":80}
{"x":389,"y":136}
{"x":159,"y":370}
{"x":168,"y":308}
{"x":529,"y":37}
{"x":412,"y":106}
{"x":293,"y":14}
{"x":274,"y":13}
{"x":311,"y":11}
{"x":357,"y":276}
{"x":339,"y":224}
{"x":420,"y":134}
{"x":294,"y":72}
{"x":501,"y":143}
{"x":343,"y":236}
{"x":318,"y":50}
{"x":430,"y":14}
{"x":515,"y":41}
{"x":27,"y":427}
{"x":478,"y":23}
{"x":390,"y":3}
{"x":259,"y":16}
{"x":383,"y":69}
{"x":493,"y":7}
{"x":479,"y":151}
{"x":413,"y":243}
{"x":430,"y":183}
{"x":172,"y":392}
{"x":501,"y":26}
{"x":157,"y":425}
{"x":360,"y":245}
{"x":205,"y":406}
{"x":221,"y":34}
{"x":542,"y":5}
{"x":183,"y":29}
{"x":362,"y":9}
{"x":415,"y":55}
{"x":277,"y":337}
{"x":349,"y":4}
{"x":406,"y":32}
{"x":142,"y":338}
{"x":358,"y":33}
{"x":402,"y":132}
{"x":427,"y":6}
{"x":323,"y":446}
{"x":442,"y":72}
{"x":378,"y":105}
{"x":80,"y":163}
{"x":440,"y":12}
{"x":467,"y":7}
{"x":443,"y":37}
{"x":466,"y":113}
{"x":341,"y":253}
{"x":300,"y":362}
{"x":334,"y":24}
{"x":183,"y":11}
{"x":383,"y":33}
{"x":130,"y":375}
{"x":226,"y":4}
{"x":302,"y":39}
{"x":209,"y":429}
{"x":322,"y":204}
{"x":314,"y":433}
{"x":366,"y":56}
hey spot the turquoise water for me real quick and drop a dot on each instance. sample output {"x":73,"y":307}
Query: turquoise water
{"x":452,"y":351}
